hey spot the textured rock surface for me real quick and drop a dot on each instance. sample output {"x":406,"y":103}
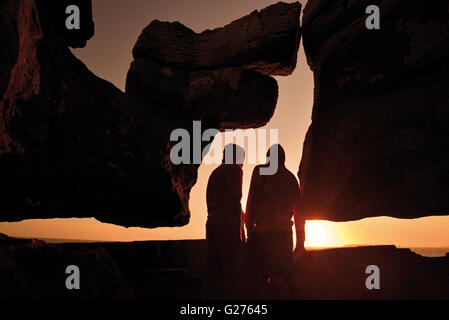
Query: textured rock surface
{"x":341,"y":274}
{"x":73,"y":145}
{"x":220,"y":77}
{"x":265,"y":41}
{"x":33,"y":269}
{"x":378,"y":143}
{"x":176,"y":270}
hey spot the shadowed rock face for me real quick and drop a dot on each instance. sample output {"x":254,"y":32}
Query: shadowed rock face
{"x":177,"y":270}
{"x":53,"y":22}
{"x":378,"y":143}
{"x":341,"y":274}
{"x":45,"y":277}
{"x":73,"y":145}
{"x":265,"y":41}
{"x":219,"y":77}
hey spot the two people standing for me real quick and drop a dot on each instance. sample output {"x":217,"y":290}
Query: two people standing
{"x":223,"y":228}
{"x":272,"y":203}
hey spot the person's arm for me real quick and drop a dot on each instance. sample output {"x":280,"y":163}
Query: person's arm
{"x":299,"y":222}
{"x":249,"y":219}
{"x":209,"y":193}
{"x":234,"y":186}
{"x":242,"y":214}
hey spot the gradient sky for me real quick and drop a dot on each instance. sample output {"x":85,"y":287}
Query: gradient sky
{"x":108,"y":55}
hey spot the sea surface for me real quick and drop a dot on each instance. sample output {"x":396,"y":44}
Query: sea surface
{"x":431,"y":252}
{"x":424,"y":251}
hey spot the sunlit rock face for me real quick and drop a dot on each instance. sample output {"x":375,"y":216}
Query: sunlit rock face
{"x":378,"y":143}
{"x":73,"y":145}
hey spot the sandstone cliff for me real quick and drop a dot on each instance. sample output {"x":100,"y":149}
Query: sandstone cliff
{"x":378,"y":144}
{"x":73,"y":145}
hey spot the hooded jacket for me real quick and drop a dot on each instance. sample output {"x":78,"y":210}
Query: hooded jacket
{"x":272,"y":199}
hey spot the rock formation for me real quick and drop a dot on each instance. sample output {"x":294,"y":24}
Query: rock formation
{"x":175,"y":270}
{"x":73,"y":145}
{"x":220,"y":77}
{"x":378,"y":143}
{"x":33,"y":269}
{"x":340,"y":273}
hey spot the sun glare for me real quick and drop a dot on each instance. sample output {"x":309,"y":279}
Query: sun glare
{"x":317,"y":234}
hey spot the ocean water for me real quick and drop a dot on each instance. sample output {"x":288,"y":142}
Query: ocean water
{"x":424,"y":251}
{"x":431,"y":252}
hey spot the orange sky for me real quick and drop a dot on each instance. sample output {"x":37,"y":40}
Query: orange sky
{"x":108,"y":54}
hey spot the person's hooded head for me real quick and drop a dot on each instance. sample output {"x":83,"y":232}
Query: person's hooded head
{"x":234,"y":154}
{"x":276,"y":153}
{"x":275,"y":160}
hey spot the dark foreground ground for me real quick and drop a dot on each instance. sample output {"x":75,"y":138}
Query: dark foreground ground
{"x":175,"y":270}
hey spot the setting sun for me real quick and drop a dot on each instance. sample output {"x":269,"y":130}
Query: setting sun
{"x":318,"y":234}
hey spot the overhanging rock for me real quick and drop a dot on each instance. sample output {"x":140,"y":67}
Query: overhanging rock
{"x":378,"y":144}
{"x":220,"y":77}
{"x":73,"y":145}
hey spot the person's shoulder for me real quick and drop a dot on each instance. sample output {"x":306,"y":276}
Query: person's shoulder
{"x":228,"y":170}
{"x":217,"y":171}
{"x":292,"y":177}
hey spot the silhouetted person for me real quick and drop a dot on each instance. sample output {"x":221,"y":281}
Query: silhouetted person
{"x":223,"y":229}
{"x":272,"y":202}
